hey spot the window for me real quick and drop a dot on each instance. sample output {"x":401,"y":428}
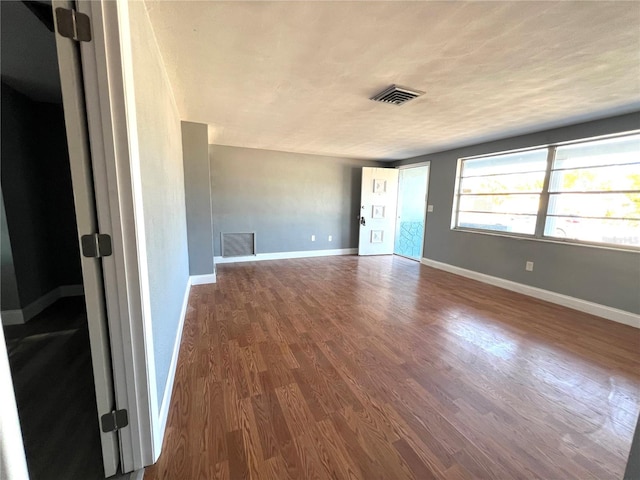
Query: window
{"x":585,"y":191}
{"x":502,"y":192}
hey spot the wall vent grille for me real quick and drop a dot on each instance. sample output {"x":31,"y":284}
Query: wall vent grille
{"x":396,"y":95}
{"x":238,"y":244}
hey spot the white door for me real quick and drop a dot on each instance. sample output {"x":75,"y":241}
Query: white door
{"x":378,"y":211}
{"x":84,"y":197}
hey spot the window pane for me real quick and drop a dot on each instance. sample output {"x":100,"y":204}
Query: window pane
{"x":529,"y":161}
{"x":605,"y":179}
{"x":610,"y":166}
{"x":617,"y":232}
{"x":498,"y":222}
{"x":599,"y":152}
{"x":593,"y":191}
{"x":606,"y":205}
{"x":512,"y":183}
{"x":500,"y":203}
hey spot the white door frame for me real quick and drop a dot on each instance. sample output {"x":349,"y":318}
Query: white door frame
{"x":426,"y":202}
{"x":13,"y":462}
{"x":108,"y":82}
{"x":75,"y":119}
{"x":414,"y":165}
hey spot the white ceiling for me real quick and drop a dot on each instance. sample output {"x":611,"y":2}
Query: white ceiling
{"x":297,"y":76}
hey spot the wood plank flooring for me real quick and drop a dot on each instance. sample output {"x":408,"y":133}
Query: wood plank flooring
{"x":382,"y":368}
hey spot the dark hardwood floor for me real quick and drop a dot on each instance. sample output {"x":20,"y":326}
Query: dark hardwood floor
{"x":382,"y":368}
{"x":50,"y":362}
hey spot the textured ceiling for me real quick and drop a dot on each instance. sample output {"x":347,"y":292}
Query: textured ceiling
{"x":297,"y":76}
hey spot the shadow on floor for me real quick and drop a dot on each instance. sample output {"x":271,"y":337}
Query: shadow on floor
{"x":50,"y":362}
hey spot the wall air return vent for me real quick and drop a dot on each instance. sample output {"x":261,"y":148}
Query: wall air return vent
{"x":396,"y":95}
{"x":238,"y":244}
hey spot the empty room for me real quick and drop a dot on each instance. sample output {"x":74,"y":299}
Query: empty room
{"x":343,"y":240}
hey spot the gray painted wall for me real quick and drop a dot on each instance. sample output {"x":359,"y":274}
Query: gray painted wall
{"x":59,"y":207}
{"x":9,"y":299}
{"x":197,"y":190}
{"x":163,"y":201}
{"x":38,"y":196}
{"x":285,"y":198}
{"x":604,"y":276}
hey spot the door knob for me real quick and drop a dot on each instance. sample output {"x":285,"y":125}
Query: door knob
{"x":362,"y":221}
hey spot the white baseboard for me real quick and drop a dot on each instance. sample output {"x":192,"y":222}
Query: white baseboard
{"x":71,"y":290}
{"x":203,"y":279}
{"x":168,"y":388}
{"x":23,"y":315}
{"x":287,"y":255}
{"x":137,"y":474}
{"x":592,"y":308}
{"x":12,"y":317}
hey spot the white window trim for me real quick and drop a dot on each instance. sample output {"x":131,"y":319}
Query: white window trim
{"x":541,"y":216}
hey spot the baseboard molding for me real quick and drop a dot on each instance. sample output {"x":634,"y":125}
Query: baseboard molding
{"x":12,"y":317}
{"x":592,"y":308}
{"x":287,"y":255}
{"x":203,"y":279}
{"x":168,"y":389}
{"x":137,"y":475}
{"x":23,"y":315}
{"x":71,"y":290}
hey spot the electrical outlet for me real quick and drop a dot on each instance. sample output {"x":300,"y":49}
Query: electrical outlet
{"x":313,"y":238}
{"x":330,"y":238}
{"x":528,"y":266}
{"x":429,"y":208}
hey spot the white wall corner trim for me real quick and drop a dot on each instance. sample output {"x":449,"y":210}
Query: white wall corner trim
{"x":203,"y":279}
{"x":610,"y":313}
{"x":287,"y":255}
{"x":20,"y":316}
{"x":168,"y":389}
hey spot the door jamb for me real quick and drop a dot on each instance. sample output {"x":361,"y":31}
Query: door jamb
{"x":414,"y":165}
{"x":13,"y":460}
{"x":106,"y":66}
{"x":426,"y":202}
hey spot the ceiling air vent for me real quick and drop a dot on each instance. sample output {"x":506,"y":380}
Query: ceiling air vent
{"x":396,"y":95}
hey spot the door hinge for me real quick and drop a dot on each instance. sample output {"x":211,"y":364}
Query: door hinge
{"x":73,"y":24}
{"x":112,"y":421}
{"x":96,"y":245}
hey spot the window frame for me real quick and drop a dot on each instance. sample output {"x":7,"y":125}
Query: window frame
{"x":543,"y":207}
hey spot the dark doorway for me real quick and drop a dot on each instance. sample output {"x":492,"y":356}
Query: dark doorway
{"x":43,"y":310}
